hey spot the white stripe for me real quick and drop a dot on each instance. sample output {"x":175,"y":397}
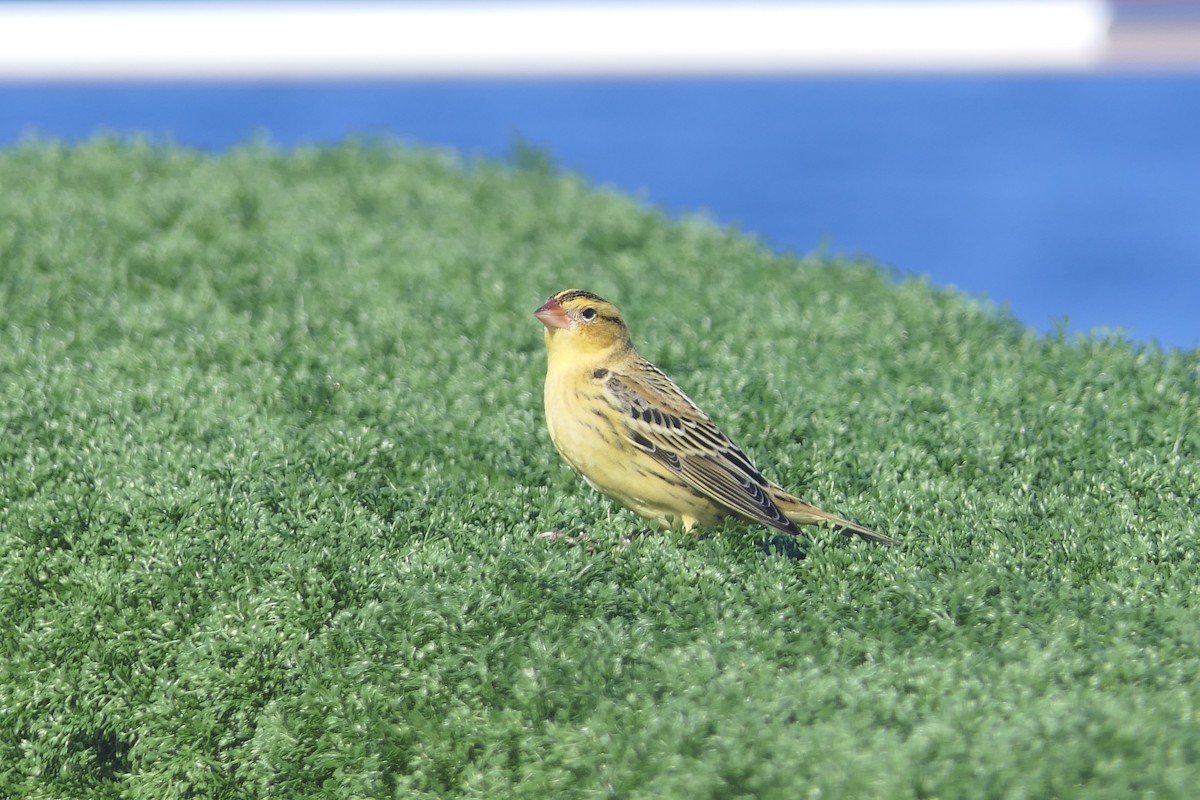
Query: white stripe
{"x":284,"y":40}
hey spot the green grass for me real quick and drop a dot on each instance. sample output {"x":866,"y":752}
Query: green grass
{"x":273,"y":470}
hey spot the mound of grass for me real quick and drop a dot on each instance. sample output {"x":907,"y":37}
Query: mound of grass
{"x":273,"y":471}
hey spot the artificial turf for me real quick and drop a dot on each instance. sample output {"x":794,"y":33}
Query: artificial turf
{"x":273,"y":473}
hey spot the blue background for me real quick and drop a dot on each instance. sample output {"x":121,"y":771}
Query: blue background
{"x":1069,"y":198}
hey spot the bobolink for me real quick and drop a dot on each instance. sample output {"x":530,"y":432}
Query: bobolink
{"x":634,"y":436}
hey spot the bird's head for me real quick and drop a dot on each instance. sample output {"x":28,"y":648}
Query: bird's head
{"x":581,"y":323}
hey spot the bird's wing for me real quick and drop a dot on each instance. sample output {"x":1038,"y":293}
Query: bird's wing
{"x":664,"y":422}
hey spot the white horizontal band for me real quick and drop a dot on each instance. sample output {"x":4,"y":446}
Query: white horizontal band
{"x":254,"y":40}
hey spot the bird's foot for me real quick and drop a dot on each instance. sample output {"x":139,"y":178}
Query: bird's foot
{"x":559,"y":536}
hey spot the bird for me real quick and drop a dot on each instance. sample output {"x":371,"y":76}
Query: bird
{"x":634,"y":436}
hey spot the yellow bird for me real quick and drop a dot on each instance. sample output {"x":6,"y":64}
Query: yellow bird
{"x":634,"y":436}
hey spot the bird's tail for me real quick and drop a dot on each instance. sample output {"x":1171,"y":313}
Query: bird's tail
{"x":803,"y":513}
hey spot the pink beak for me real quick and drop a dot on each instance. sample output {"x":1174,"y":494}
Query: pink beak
{"x":553,"y":315}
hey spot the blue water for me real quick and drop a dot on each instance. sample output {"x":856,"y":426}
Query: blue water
{"x":1069,"y":198}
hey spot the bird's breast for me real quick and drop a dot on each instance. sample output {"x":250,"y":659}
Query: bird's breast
{"x":576,"y":417}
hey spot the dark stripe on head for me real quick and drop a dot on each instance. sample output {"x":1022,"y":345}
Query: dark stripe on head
{"x":568,"y":295}
{"x":571,"y":294}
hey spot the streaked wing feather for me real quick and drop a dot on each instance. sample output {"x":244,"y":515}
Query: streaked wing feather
{"x":663,"y":421}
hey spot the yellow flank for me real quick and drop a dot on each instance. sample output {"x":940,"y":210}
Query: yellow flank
{"x":635,"y":436}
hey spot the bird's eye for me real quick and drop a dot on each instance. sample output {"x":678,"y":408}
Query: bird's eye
{"x":588,"y":313}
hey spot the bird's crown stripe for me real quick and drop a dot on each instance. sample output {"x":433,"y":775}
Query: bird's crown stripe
{"x":571,"y":294}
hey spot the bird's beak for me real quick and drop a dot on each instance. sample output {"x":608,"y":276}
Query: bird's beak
{"x":553,"y":315}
